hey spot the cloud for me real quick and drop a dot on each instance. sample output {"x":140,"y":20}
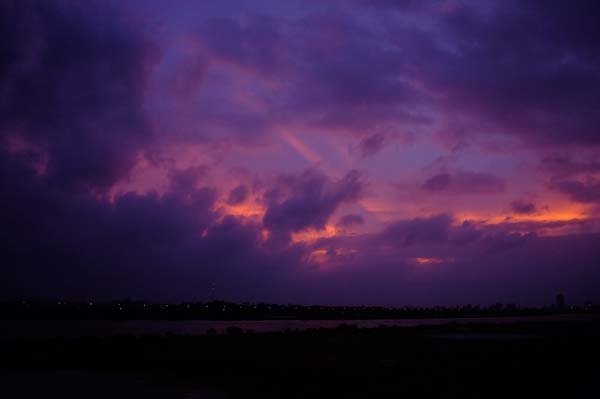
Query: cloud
{"x":371,"y":145}
{"x":539,"y":84}
{"x":308,"y":200}
{"x":186,"y":179}
{"x":464,"y":183}
{"x":418,"y":231}
{"x":584,"y":192}
{"x":492,"y":265}
{"x":565,"y":165}
{"x":161,"y":247}
{"x":402,"y":5}
{"x":72,"y":86}
{"x":252,"y":41}
{"x":90,"y":98}
{"x":337,"y":93}
{"x":523,"y":207}
{"x":554,"y":228}
{"x":73,"y":124}
{"x":462,"y":68}
{"x":350,"y":220}
{"x":238,"y":195}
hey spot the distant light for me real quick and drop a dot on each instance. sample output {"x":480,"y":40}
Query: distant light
{"x":431,"y":261}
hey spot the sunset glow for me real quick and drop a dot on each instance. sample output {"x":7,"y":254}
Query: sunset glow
{"x":420,"y":151}
{"x":430,"y":261}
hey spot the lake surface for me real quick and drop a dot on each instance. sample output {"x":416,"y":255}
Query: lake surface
{"x":83,"y":328}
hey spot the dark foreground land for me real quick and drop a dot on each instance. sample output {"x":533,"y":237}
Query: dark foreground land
{"x":535,"y":360}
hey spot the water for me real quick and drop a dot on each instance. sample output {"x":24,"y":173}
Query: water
{"x":89,"y":384}
{"x":102,"y":328}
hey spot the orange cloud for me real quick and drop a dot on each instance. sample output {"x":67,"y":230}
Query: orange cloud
{"x":246,"y":210}
{"x":311,"y":235}
{"x":329,"y":257}
{"x":566,"y":213}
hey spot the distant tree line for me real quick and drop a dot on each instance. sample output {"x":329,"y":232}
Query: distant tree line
{"x":222,"y":310}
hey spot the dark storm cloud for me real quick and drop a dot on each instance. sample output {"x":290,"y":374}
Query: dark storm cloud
{"x":186,"y":179}
{"x":72,"y":94}
{"x":420,"y":231}
{"x":565,"y":165}
{"x":486,"y":265}
{"x":253,"y":41}
{"x":578,"y":191}
{"x":238,"y":195}
{"x":337,"y":92}
{"x":502,"y":241}
{"x":60,"y":244}
{"x":71,"y":84}
{"x":525,"y":68}
{"x":523,"y":207}
{"x":350,"y":220}
{"x":431,"y":231}
{"x":308,"y":200}
{"x":464,"y":183}
{"x":72,"y":81}
{"x":371,"y":145}
{"x":402,"y":5}
{"x":577,"y":226}
{"x":440,"y":231}
{"x":73,"y":90}
{"x":342,"y":93}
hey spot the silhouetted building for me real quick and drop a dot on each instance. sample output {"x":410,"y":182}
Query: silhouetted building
{"x":560,"y":300}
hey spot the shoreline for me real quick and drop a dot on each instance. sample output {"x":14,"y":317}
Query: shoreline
{"x":69,"y":328}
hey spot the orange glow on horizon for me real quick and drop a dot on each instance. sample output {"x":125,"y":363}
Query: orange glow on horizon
{"x":431,"y":261}
{"x":568,"y":213}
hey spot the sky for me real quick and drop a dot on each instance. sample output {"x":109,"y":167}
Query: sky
{"x":433,"y":152}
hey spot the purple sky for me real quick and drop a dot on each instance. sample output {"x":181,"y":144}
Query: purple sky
{"x":342,"y":152}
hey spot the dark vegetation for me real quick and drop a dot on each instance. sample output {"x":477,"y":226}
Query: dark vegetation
{"x":451,"y":361}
